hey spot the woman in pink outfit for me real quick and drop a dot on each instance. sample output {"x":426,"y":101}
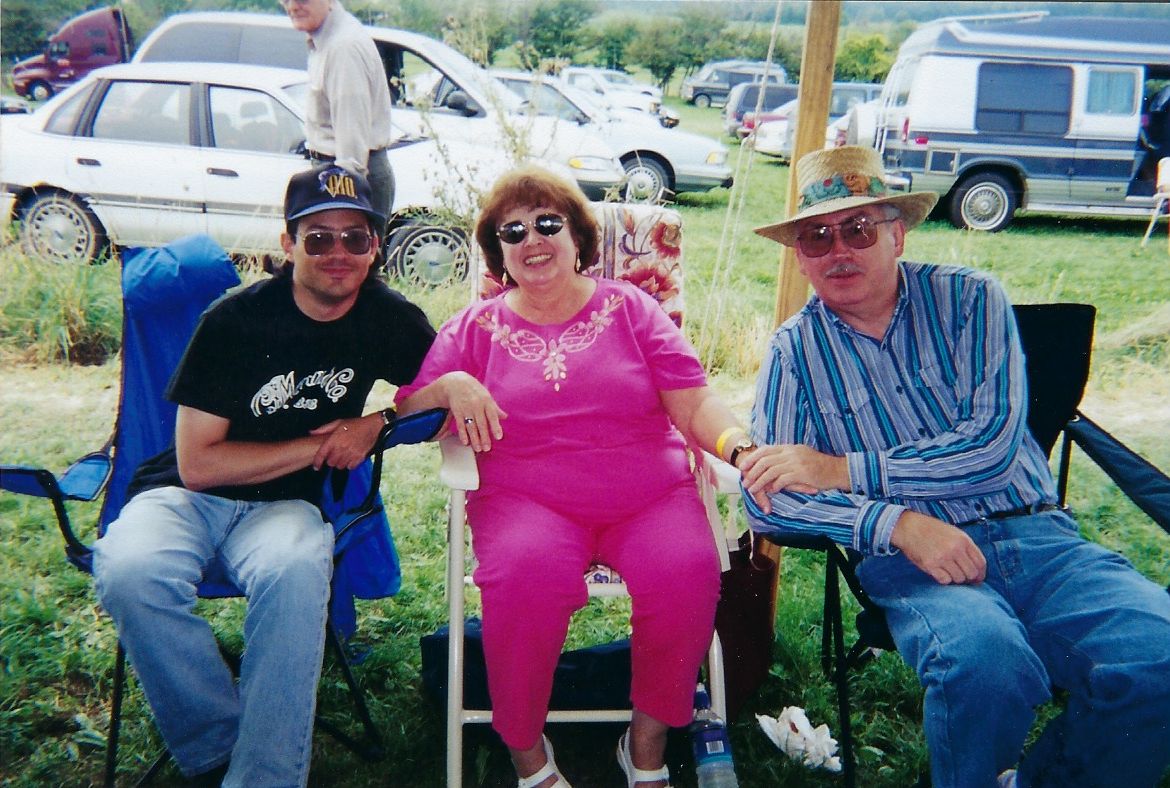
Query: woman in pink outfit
{"x":579,"y":396}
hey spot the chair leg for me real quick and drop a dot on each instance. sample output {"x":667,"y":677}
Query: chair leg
{"x":840,"y":673}
{"x":1158,"y":205}
{"x":370,"y":747}
{"x":456,"y":556}
{"x":115,"y":717}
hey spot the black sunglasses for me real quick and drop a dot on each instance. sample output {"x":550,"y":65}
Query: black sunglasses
{"x":547,"y":224}
{"x":858,"y":232}
{"x":320,"y":242}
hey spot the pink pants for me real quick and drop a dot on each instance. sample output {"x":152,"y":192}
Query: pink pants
{"x":532,"y":560}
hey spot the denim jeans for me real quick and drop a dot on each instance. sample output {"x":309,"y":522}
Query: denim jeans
{"x":1054,"y":610}
{"x":279,"y":554}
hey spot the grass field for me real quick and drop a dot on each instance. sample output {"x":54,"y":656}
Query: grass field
{"x":57,"y":646}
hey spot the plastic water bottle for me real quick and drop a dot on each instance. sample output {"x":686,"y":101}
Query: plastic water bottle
{"x":713,"y":764}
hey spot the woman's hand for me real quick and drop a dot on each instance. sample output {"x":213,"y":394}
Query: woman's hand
{"x":795,"y":468}
{"x":474,"y":411}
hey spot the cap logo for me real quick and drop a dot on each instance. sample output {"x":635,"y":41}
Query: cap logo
{"x":841,"y":185}
{"x":337,"y":182}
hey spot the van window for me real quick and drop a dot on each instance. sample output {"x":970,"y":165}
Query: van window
{"x":1023,"y":98}
{"x":200,"y":42}
{"x":905,"y":79}
{"x":1111,"y":92}
{"x":274,"y":46}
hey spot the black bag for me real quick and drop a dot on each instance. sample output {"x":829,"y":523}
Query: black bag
{"x":743,"y":619}
{"x":597,"y":677}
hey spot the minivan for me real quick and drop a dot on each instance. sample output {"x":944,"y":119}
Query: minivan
{"x":744,"y":97}
{"x":715,"y":80}
{"x":1029,"y":112}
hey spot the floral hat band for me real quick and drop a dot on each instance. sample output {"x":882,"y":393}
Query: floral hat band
{"x":839,"y":179}
{"x":847,"y":184}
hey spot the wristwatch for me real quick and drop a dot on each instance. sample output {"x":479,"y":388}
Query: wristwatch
{"x":388,"y":416}
{"x":742,"y":445}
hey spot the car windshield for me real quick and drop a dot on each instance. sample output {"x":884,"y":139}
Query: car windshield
{"x":462,"y":69}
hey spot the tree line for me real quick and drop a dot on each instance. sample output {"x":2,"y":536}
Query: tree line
{"x":668,"y":39}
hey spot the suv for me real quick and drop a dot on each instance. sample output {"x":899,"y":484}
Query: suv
{"x":744,"y":96}
{"x":715,"y":80}
{"x":437,"y":91}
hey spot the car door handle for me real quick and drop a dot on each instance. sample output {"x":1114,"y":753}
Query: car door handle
{"x":89,"y":162}
{"x":223,"y":172}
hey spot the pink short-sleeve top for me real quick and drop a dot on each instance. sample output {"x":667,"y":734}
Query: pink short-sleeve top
{"x":585,"y":420}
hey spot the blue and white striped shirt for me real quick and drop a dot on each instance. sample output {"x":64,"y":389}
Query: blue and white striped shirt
{"x":930,"y":418}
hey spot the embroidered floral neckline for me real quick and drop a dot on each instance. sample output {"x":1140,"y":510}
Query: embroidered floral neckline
{"x":526,"y":345}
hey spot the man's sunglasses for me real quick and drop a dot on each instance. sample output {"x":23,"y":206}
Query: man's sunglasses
{"x":319,"y":242}
{"x":547,"y":224}
{"x":859,"y":232}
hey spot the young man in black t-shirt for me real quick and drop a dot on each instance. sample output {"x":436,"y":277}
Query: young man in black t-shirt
{"x":270,"y":393}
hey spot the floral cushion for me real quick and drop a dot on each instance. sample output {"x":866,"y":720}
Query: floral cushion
{"x":639,"y":243}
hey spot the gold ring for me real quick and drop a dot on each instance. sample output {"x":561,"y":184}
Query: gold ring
{"x":469,"y":421}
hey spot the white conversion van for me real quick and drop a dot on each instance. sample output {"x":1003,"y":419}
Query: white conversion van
{"x":1029,"y":112}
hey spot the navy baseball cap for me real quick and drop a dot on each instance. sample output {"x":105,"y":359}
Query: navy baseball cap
{"x":328,"y":187}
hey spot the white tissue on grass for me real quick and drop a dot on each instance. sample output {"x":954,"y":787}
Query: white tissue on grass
{"x":795,"y":735}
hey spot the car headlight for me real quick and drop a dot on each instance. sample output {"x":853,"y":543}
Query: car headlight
{"x":592,"y":163}
{"x":717,"y":157}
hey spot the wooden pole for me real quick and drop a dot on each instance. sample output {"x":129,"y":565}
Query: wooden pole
{"x":816,"y":85}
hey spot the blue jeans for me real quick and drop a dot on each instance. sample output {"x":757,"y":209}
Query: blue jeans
{"x":1054,"y":610}
{"x":279,"y":554}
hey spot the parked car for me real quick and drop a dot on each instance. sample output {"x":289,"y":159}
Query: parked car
{"x":619,"y":89}
{"x":742,"y":101}
{"x":858,"y":126}
{"x":91,"y":40}
{"x":437,"y":91}
{"x":658,"y":161}
{"x":142,"y":153}
{"x":1028,"y":112}
{"x":711,"y":85}
{"x":770,"y":134}
{"x":779,"y":140}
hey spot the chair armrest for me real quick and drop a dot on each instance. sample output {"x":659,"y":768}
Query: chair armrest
{"x":726,"y":476}
{"x":458,"y":469}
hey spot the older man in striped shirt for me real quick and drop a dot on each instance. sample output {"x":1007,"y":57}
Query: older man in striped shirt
{"x":891,"y":416}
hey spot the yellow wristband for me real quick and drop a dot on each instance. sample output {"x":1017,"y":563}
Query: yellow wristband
{"x":722,"y":441}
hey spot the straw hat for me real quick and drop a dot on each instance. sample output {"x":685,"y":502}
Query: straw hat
{"x":838,"y":178}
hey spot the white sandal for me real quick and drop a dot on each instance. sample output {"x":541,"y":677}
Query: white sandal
{"x":544,"y":772}
{"x":633,"y":774}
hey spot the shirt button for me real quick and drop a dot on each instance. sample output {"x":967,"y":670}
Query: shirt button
{"x":922,"y":431}
{"x":898,"y":389}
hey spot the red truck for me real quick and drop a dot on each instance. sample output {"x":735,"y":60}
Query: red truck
{"x":94,"y":39}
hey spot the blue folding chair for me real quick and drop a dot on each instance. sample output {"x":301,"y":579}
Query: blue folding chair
{"x":165,"y":290}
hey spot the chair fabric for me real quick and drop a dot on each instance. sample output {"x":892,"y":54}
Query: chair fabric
{"x":641,"y":244}
{"x":1161,"y":196}
{"x":1057,"y":341}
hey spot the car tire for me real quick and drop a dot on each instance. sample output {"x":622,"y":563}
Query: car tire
{"x":58,"y":227}
{"x":40,"y":90}
{"x":646,"y":179}
{"x":702,"y":100}
{"x":985,"y":201}
{"x":427,"y":254}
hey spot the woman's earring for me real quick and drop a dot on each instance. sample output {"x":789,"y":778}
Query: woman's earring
{"x":504,"y":277}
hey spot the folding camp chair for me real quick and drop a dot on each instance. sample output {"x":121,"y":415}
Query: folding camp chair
{"x":641,"y":244}
{"x":164,"y":292}
{"x":1057,"y":341}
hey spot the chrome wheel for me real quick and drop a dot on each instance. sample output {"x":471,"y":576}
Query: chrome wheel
{"x":985,"y":202}
{"x":427,"y":255}
{"x":646,"y":180}
{"x":59,"y":228}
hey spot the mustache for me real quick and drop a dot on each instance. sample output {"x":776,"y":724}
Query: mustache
{"x":843,"y":269}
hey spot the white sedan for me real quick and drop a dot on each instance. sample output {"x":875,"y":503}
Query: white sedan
{"x":140,"y":154}
{"x":658,"y":161}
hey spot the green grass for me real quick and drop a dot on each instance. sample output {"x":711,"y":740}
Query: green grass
{"x":56,"y":646}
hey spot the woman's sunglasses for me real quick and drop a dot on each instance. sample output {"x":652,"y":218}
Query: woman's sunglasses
{"x":319,"y":242}
{"x":859,"y":232}
{"x":547,"y":224}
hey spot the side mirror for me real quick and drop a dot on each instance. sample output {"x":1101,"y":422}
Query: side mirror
{"x":461,"y":102}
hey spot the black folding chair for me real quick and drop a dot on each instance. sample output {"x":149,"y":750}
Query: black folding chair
{"x":1057,"y":341}
{"x":164,"y":292}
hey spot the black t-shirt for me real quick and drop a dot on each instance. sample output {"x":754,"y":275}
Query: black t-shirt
{"x":275,"y":373}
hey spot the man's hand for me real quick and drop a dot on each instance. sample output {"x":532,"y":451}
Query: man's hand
{"x":940,"y":549}
{"x":792,"y":467}
{"x":348,"y":442}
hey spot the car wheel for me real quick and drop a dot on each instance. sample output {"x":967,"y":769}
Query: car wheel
{"x":702,"y":100}
{"x":60,"y":228}
{"x":427,"y":254}
{"x":40,"y":90}
{"x":984,"y":201}
{"x":646,"y":179}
